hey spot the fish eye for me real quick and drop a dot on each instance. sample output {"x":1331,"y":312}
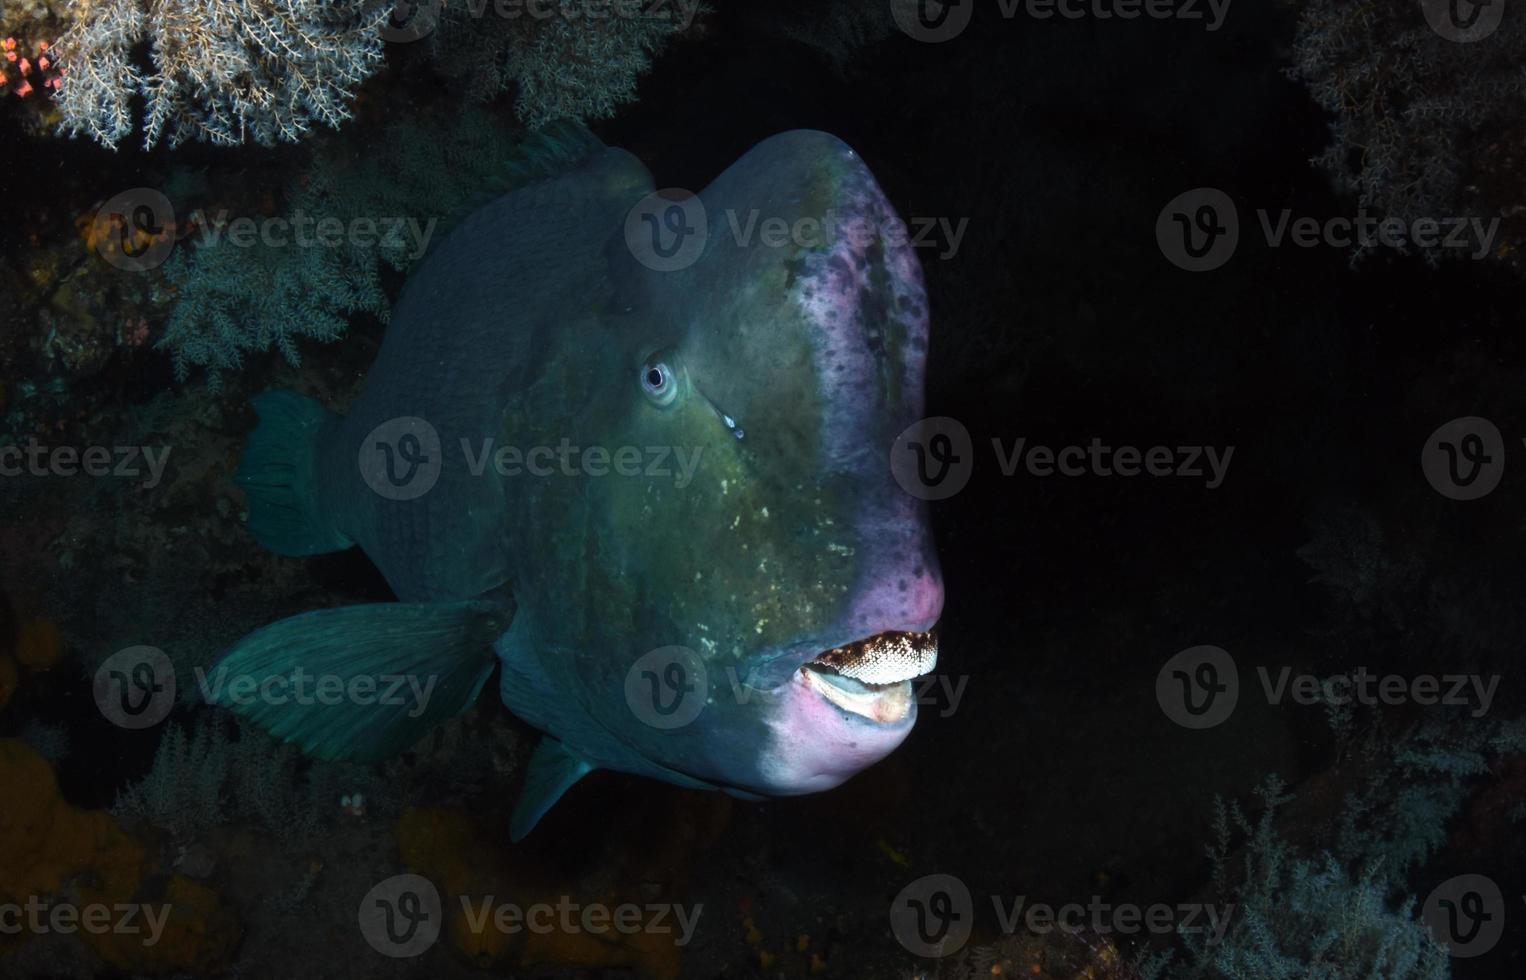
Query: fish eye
{"x":659,"y":382}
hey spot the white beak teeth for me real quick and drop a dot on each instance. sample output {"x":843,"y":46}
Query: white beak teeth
{"x":872,"y":677}
{"x":884,"y":658}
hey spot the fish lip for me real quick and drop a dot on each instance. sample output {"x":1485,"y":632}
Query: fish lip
{"x":850,"y":677}
{"x":881,"y":705}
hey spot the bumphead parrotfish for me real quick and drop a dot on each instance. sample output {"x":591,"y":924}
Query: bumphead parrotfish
{"x":649,"y":478}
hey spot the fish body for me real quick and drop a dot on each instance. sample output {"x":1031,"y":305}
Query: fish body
{"x":656,"y":492}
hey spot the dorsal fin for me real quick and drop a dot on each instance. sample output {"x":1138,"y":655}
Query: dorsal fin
{"x":548,"y":152}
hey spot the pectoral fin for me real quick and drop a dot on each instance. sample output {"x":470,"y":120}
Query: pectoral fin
{"x":579,"y":744}
{"x":360,"y":682}
{"x":553,"y":770}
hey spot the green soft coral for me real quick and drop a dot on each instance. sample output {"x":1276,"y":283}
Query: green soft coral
{"x":233,"y":301}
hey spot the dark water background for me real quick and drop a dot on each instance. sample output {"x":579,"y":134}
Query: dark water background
{"x":1057,"y":776}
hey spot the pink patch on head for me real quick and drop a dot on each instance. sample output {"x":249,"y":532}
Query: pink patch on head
{"x":908,"y":602}
{"x":864,"y":294}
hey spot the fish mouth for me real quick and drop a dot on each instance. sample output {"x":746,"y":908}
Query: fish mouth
{"x":871,"y":677}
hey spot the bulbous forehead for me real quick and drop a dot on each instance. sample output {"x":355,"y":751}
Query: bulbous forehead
{"x":807,"y":302}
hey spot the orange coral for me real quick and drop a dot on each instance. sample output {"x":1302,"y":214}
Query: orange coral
{"x":39,"y":644}
{"x":27,"y":813}
{"x":54,"y":850}
{"x":444,"y":846}
{"x":471,"y":859}
{"x":199,"y":933}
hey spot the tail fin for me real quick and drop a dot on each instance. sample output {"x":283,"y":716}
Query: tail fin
{"x":279,"y":476}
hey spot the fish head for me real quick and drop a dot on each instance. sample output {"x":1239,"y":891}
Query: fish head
{"x":777,"y":369}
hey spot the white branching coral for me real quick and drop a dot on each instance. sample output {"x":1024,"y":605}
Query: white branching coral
{"x":568,"y":59}
{"x":223,"y":71}
{"x":1412,"y":111}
